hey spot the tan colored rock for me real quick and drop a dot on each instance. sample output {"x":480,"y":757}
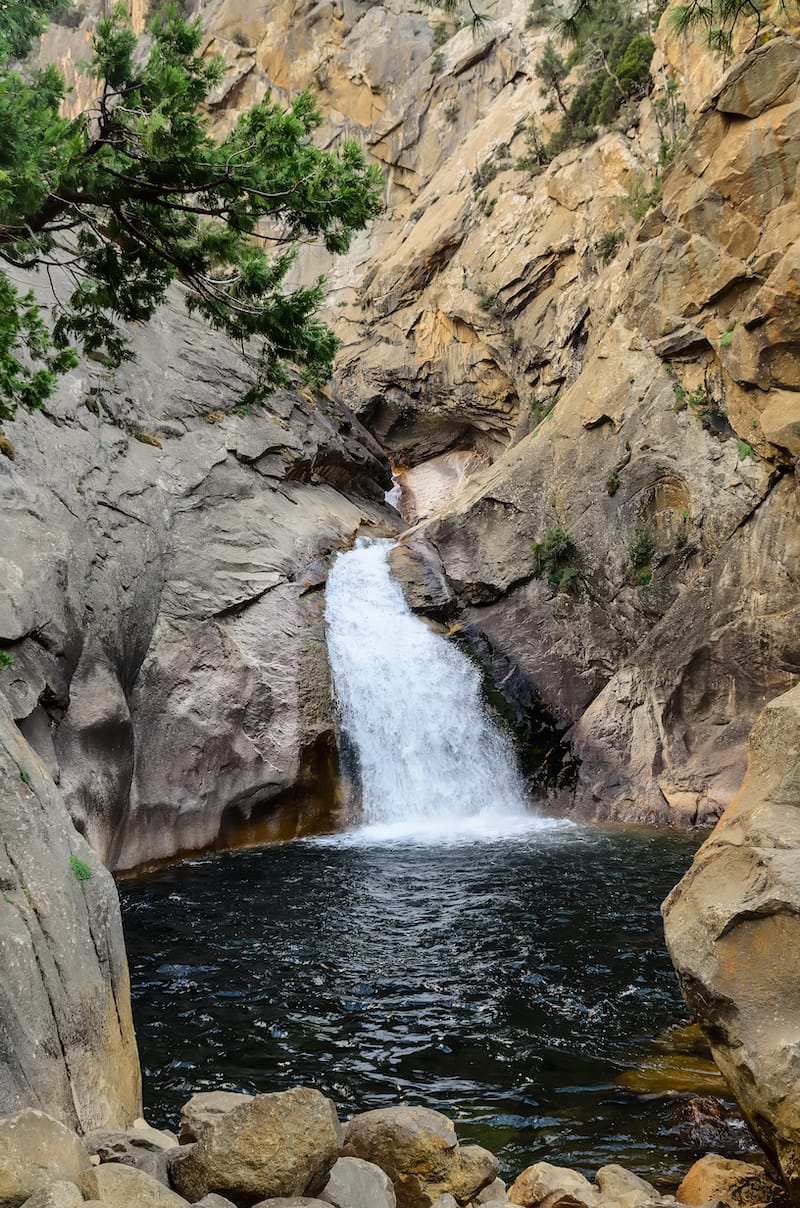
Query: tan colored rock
{"x":478,"y":1169}
{"x":419,"y":1151}
{"x":545,"y":1186}
{"x":204,"y":1110}
{"x":717,"y":1180}
{"x":494,"y":1193}
{"x":125,"y":1187}
{"x":56,"y":1195}
{"x":780,"y":420}
{"x":35,"y":1152}
{"x":275,"y":1145}
{"x":733,"y":930}
{"x":761,"y":79}
{"x":624,"y":1187}
{"x":292,"y":1201}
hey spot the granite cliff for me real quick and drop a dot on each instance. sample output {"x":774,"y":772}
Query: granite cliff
{"x":605,"y":348}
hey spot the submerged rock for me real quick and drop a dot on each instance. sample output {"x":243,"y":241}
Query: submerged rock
{"x":707,"y":1125}
{"x":283,"y":1144}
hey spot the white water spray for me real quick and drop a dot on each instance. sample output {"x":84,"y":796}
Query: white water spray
{"x":431,"y":762}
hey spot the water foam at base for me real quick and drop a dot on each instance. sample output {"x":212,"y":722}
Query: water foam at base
{"x":432,"y":766}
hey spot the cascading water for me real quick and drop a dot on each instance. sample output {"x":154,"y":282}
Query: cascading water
{"x":430,"y":759}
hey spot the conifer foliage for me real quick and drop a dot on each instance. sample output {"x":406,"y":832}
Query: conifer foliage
{"x":136,"y":194}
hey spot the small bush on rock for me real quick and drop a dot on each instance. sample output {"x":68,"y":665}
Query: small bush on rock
{"x":554,"y":556}
{"x":640,"y":556}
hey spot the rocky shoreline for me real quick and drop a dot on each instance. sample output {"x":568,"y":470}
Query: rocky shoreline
{"x":289,"y":1150}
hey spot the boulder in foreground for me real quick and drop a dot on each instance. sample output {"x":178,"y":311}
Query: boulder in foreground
{"x":276,"y":1145}
{"x":419,"y":1151}
{"x":715,"y":1180}
{"x":35,"y":1151}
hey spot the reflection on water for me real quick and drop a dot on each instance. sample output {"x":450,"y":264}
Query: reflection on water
{"x":508,"y":983}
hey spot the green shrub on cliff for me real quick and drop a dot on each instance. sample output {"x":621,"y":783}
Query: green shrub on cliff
{"x":118,"y":203}
{"x":612,"y":49}
{"x":640,"y":556}
{"x":554,"y":556}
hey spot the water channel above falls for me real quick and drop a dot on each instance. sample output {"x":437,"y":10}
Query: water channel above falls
{"x":451,"y":950}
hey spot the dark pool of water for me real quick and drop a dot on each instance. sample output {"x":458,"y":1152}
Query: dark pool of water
{"x":506,"y":983}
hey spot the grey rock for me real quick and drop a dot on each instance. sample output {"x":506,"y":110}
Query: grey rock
{"x":35,"y":1152}
{"x":214,"y":1201}
{"x":354,"y":1183}
{"x":131,"y":568}
{"x":143,"y":1149}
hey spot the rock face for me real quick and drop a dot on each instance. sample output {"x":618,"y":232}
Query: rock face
{"x":159,"y":594}
{"x":663,"y":410}
{"x":67,"y":1041}
{"x":276,"y":1145}
{"x":419,"y":1151}
{"x":733,"y":931}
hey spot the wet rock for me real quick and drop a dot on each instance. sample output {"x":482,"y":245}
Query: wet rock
{"x":36,"y":1151}
{"x":205,"y":1109}
{"x":717,"y":1180}
{"x":125,"y":1187}
{"x":707,"y":1125}
{"x":419,"y":1151}
{"x":283,"y":1144}
{"x":733,"y":931}
{"x":546,"y":1186}
{"x":354,"y":1183}
{"x":415,"y":566}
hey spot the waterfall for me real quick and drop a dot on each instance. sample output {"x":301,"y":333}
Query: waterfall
{"x":430,"y":760}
